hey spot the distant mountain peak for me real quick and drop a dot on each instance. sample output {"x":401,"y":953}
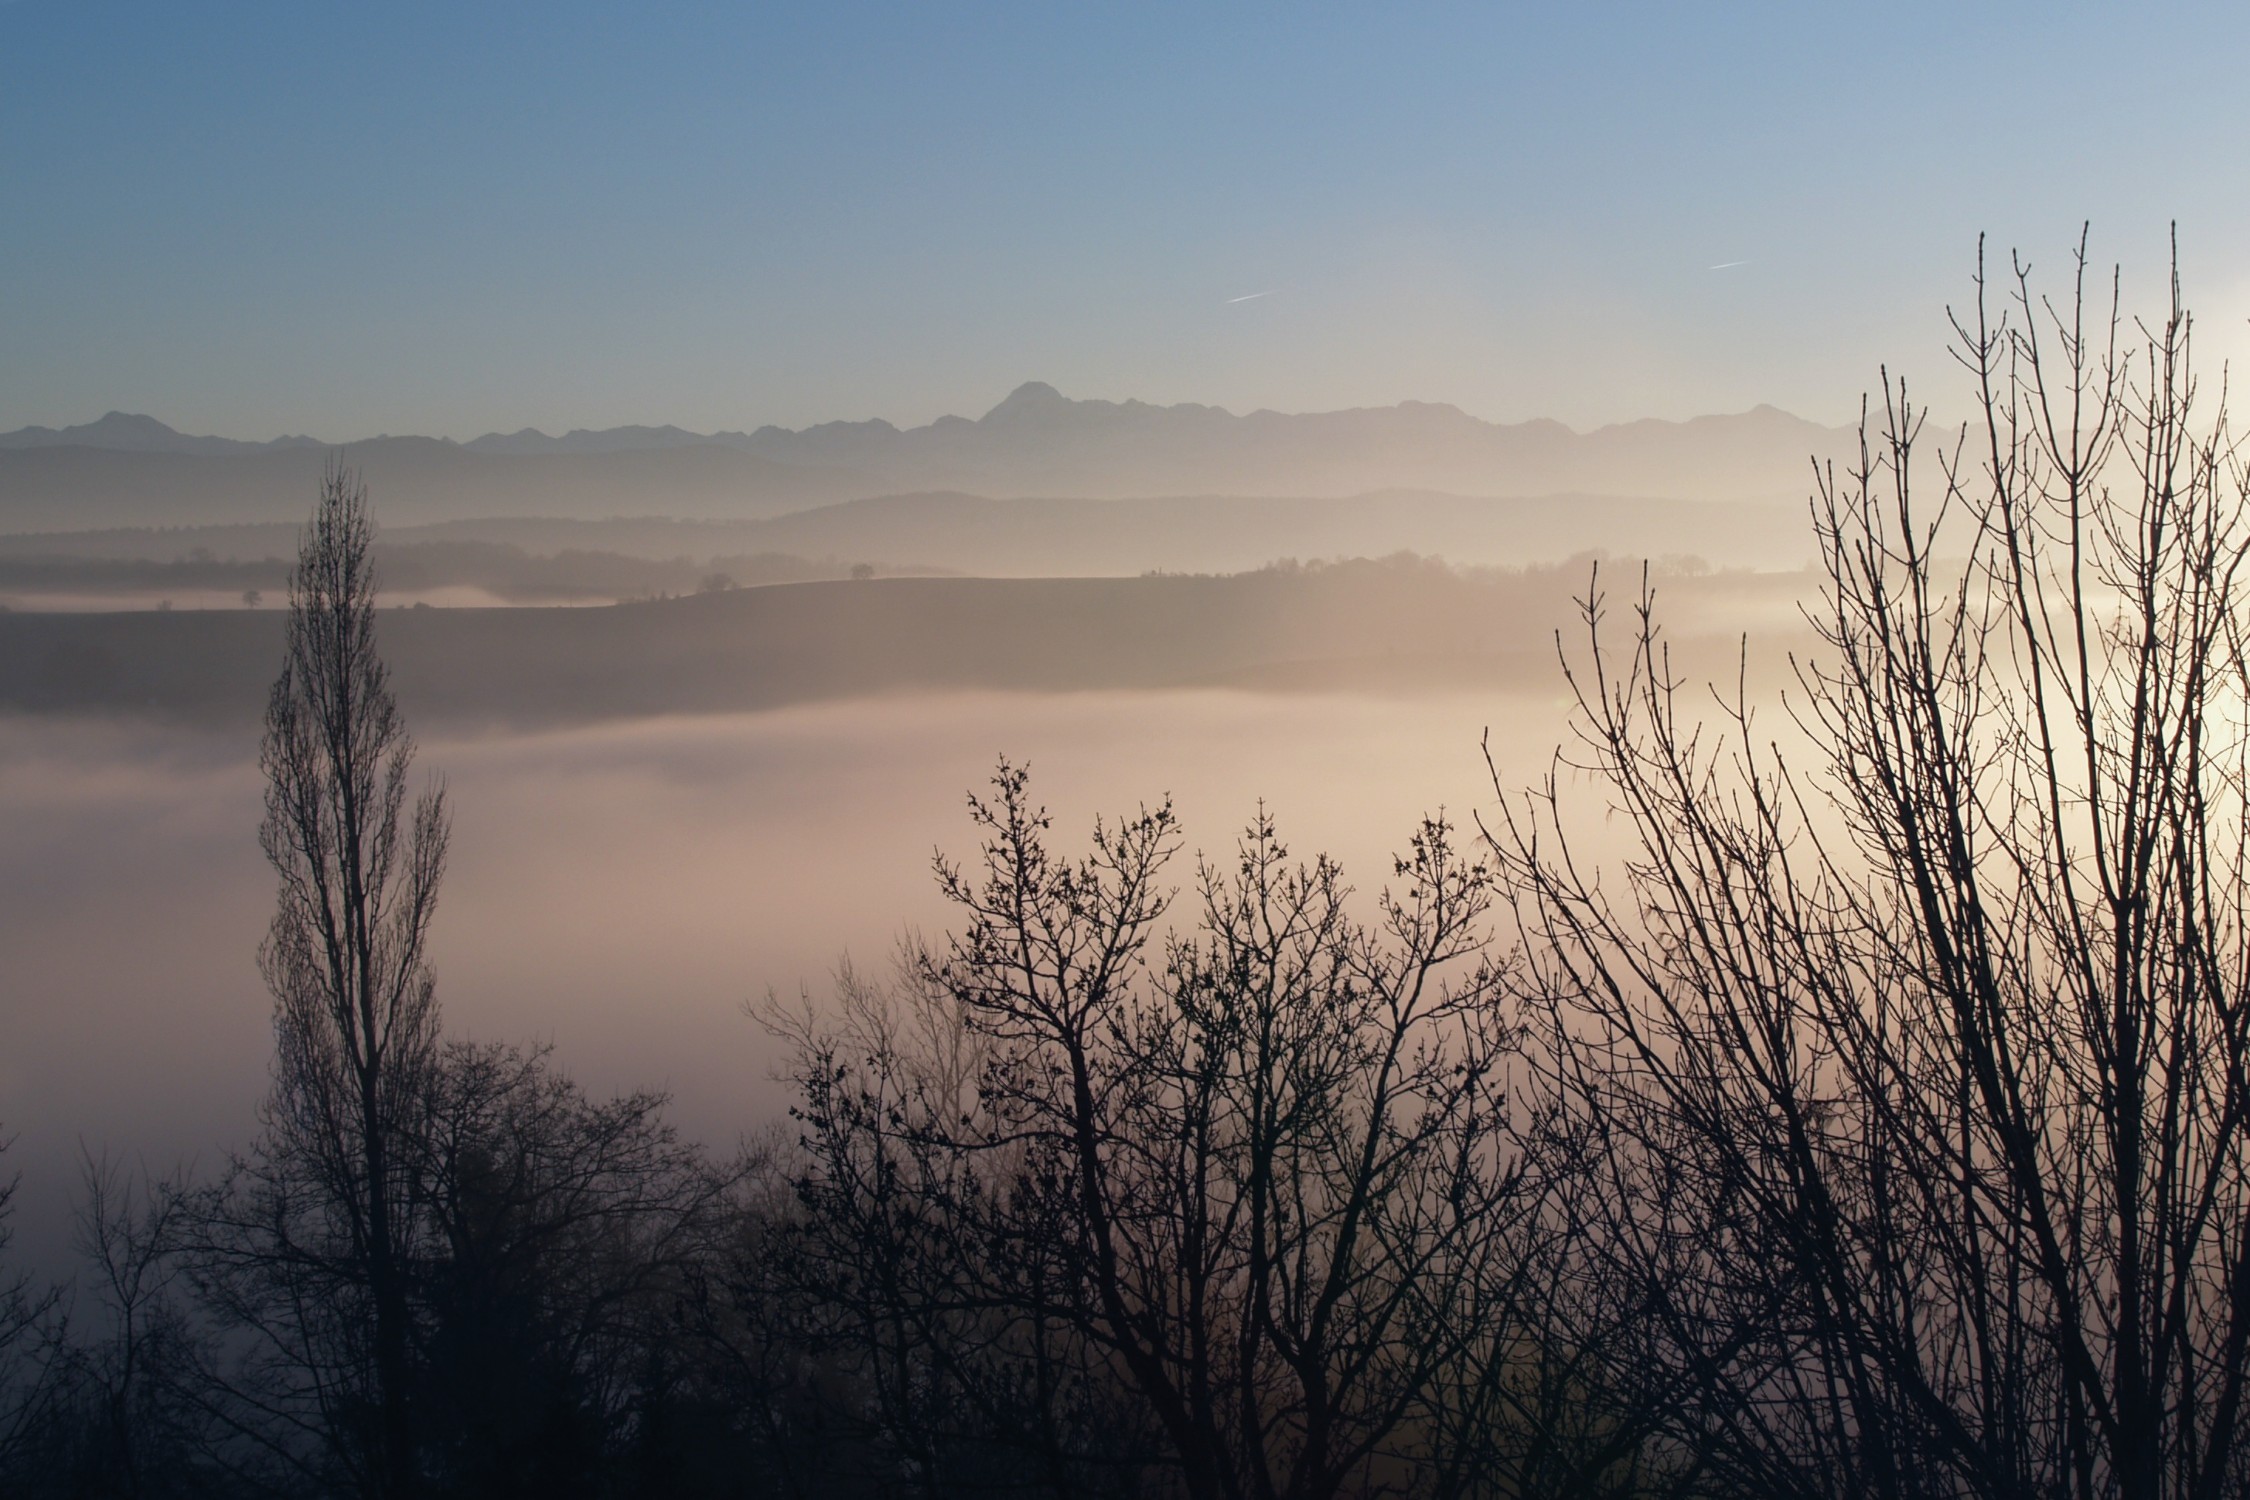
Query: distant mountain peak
{"x":131,"y":432}
{"x":1033,"y":398}
{"x":115,"y":428}
{"x":128,"y":421}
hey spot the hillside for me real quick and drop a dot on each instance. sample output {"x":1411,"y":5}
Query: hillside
{"x":1362,"y":626}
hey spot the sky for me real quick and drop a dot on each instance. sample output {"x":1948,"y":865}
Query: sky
{"x":346,"y":218}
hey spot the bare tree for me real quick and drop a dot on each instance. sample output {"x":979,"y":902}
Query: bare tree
{"x":312,"y":1243}
{"x":1921,"y":1076}
{"x":31,"y":1333}
{"x":441,"y":1268}
{"x":1257,"y":1190}
{"x":136,"y":1367}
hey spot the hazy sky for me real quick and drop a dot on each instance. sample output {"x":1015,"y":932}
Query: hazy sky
{"x":345,"y":218}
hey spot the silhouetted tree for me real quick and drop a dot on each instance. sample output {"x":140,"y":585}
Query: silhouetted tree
{"x":130,"y":1419}
{"x":30,"y":1335}
{"x":566,"y":1235}
{"x":1243,"y":1214}
{"x":1919,"y":1081}
{"x":310,"y":1245}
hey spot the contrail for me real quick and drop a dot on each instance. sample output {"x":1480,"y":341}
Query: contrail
{"x":1254,"y":296}
{"x":1728,"y":265}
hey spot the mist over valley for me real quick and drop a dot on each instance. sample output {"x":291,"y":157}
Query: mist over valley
{"x":738,"y":735}
{"x":900,"y":752}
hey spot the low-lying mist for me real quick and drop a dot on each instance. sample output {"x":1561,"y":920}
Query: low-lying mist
{"x":622,"y":890}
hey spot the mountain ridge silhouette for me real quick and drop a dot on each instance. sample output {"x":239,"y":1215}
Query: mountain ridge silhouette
{"x":1036,"y":442}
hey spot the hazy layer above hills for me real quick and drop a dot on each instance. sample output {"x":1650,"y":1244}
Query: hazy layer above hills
{"x":531,"y":559}
{"x":125,"y":470}
{"x":413,"y":479}
{"x":1234,"y":533}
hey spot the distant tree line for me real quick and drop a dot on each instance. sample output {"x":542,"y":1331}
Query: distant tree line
{"x":1867,"y":1119}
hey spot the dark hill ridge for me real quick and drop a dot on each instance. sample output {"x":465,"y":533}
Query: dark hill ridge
{"x":1036,"y":442}
{"x":1382,"y":626}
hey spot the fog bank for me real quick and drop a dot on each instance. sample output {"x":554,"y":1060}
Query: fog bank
{"x":620,"y":890}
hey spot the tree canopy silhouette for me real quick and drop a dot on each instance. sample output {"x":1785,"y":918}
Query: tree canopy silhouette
{"x":1919,"y":1064}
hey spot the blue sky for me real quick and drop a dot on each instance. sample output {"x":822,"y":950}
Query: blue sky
{"x":345,"y":218}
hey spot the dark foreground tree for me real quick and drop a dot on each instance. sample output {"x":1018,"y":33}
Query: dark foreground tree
{"x":565,"y":1237}
{"x":441,"y":1269}
{"x":127,"y":1415}
{"x":1234,"y":1207}
{"x":29,"y":1333}
{"x":310,"y":1245}
{"x":1919,"y":1063}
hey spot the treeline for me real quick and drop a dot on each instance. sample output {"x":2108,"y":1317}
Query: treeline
{"x":1873,"y":1123}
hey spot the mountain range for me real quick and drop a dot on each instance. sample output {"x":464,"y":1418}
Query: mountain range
{"x":134,"y":470}
{"x":127,"y":432}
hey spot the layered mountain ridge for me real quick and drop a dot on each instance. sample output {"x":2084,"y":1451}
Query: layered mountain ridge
{"x":134,"y":470}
